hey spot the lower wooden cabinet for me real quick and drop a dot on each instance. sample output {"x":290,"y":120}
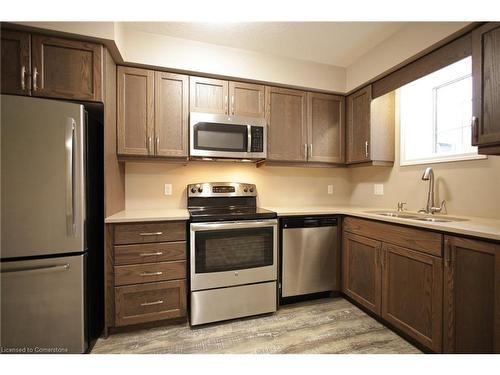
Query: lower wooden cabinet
{"x":471,"y":296}
{"x":361,"y":270}
{"x":143,"y":303}
{"x":412,"y":293}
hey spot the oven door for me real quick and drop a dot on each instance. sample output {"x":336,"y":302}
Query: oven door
{"x":233,"y":253}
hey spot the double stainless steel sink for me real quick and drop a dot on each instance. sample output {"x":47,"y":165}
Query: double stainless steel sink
{"x":419,"y":217}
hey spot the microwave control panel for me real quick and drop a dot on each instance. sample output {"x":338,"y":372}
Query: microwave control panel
{"x":257,"y":139}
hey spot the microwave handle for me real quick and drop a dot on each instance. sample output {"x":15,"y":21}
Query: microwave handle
{"x":249,"y":138}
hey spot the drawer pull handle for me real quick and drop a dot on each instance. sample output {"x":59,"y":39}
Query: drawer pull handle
{"x":151,"y":254}
{"x":159,"y":302}
{"x":151,"y":234}
{"x":152,"y":273}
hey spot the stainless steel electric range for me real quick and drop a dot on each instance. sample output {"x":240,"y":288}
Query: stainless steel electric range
{"x":233,"y":249}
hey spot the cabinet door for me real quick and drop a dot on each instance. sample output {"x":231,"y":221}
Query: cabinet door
{"x":361,"y":270}
{"x":135,"y":108}
{"x":208,"y":95}
{"x":358,"y":126}
{"x":247,"y":99}
{"x":471,"y":296}
{"x":16,"y":62}
{"x":486,"y":84}
{"x":66,"y":69}
{"x":171,"y":114}
{"x":286,"y":121}
{"x":325,"y":128}
{"x":412,"y":294}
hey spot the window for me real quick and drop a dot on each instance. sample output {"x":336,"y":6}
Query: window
{"x":435,"y":116}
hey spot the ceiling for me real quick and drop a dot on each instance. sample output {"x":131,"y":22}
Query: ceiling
{"x":333,"y":43}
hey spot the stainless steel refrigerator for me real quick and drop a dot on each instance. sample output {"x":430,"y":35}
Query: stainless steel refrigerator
{"x":51,"y":225}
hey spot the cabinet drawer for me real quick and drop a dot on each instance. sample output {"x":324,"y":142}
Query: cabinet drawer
{"x":150,"y":232}
{"x":149,"y":302}
{"x":150,"y":272}
{"x":150,"y":253}
{"x":415,"y":239}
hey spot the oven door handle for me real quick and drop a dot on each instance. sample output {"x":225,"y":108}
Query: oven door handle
{"x":234,"y":225}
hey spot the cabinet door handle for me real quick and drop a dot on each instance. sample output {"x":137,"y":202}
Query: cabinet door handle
{"x":151,"y":234}
{"x":474,"y":130}
{"x":305,"y":150}
{"x":232,"y":104}
{"x":225,"y":105}
{"x":149,"y":145}
{"x":35,"y":79}
{"x":157,"y":253}
{"x":159,"y":273}
{"x":159,"y":302}
{"x":23,"y":78}
{"x":366,"y":149}
{"x":310,"y":150}
{"x":157,"y":145}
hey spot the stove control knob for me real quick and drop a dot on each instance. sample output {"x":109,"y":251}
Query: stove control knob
{"x":193,"y":190}
{"x":245,"y":189}
{"x":251,"y":190}
{"x":200,"y":190}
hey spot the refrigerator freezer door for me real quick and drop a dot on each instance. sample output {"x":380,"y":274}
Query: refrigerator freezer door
{"x":43,"y":200}
{"x":42,"y":305}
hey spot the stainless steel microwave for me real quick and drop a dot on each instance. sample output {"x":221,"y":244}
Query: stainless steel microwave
{"x":222,"y":136}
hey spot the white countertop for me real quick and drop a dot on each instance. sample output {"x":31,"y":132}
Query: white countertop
{"x":165,"y":214}
{"x":472,"y":226}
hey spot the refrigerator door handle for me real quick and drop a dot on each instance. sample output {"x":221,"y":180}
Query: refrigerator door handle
{"x":63,"y":267}
{"x":70,"y":165}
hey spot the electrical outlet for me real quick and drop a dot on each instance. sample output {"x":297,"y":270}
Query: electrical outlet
{"x":378,"y":189}
{"x":167,"y":190}
{"x":330,"y":189}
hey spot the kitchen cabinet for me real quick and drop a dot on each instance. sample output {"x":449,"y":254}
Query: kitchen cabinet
{"x":361,"y":270}
{"x":16,"y":62}
{"x":145,"y":272}
{"x":47,"y":66}
{"x":486,"y":88}
{"x":171,"y":114}
{"x":471,"y":296}
{"x":325,"y":128}
{"x":287,"y":124}
{"x":370,"y":128}
{"x":396,"y":272}
{"x":226,"y":97}
{"x":135,"y":111}
{"x":412,"y":293}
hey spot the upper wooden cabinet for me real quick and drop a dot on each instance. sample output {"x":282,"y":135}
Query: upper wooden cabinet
{"x":471,"y":296}
{"x":370,"y":128}
{"x":226,"y":97}
{"x":287,"y":124}
{"x":171,"y":114}
{"x":486,"y":88}
{"x":152,"y":113}
{"x":325,"y":128}
{"x":135,"y":111}
{"x":16,"y":62}
{"x":52,"y":67}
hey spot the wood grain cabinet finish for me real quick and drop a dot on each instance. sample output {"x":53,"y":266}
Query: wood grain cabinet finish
{"x":471,"y":296}
{"x":66,"y":69}
{"x":325,"y":128}
{"x":287,"y":124}
{"x":412,"y":293}
{"x":486,"y":88}
{"x":149,"y":253}
{"x":136,"y":233}
{"x":370,"y":128}
{"x":149,"y":272}
{"x":16,"y":62}
{"x":246,"y":99}
{"x":208,"y":95}
{"x":150,"y":302}
{"x":361,"y":270}
{"x":171,"y":114}
{"x":135,"y":111}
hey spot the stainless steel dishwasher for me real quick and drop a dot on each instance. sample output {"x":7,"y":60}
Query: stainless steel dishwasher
{"x":310,"y":255}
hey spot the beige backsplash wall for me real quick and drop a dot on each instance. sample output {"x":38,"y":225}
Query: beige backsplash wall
{"x":276,"y":186}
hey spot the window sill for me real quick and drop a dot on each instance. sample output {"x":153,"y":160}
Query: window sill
{"x":447,"y":159}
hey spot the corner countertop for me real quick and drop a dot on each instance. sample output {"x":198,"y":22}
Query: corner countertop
{"x":131,"y":216}
{"x":488,"y":228}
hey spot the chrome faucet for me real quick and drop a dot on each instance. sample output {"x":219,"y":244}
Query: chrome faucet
{"x":430,"y":209}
